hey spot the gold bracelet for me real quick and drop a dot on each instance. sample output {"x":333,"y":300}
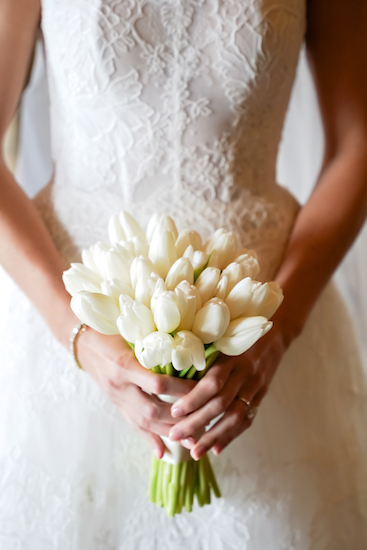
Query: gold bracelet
{"x":75,"y":333}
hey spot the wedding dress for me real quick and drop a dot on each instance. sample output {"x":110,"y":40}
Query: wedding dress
{"x":176,"y":106}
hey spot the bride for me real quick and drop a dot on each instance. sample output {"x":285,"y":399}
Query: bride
{"x":177,"y":106}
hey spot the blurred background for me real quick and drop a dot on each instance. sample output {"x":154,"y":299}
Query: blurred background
{"x":28,"y":155}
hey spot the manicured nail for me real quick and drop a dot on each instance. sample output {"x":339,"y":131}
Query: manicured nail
{"x":188,"y":443}
{"x":158,"y":453}
{"x":217,"y":449}
{"x":198,"y":452}
{"x":176,"y":434}
{"x":176,"y":412}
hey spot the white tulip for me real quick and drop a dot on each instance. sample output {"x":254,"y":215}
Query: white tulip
{"x":166,"y":310}
{"x":115,"y":263}
{"x":191,"y":291}
{"x":250,"y":265}
{"x":90,"y":257}
{"x":188,"y":350}
{"x":268,"y":301}
{"x":207,"y":282}
{"x":186,"y":238}
{"x":198,"y":258}
{"x":222,"y":287}
{"x":140,"y":267}
{"x":97,"y":311}
{"x":241,"y":334}
{"x":155,"y":349}
{"x":145,"y":287}
{"x":211,"y":321}
{"x":234,"y":274}
{"x":140,"y":245}
{"x":161,"y":222}
{"x":135,"y":322}
{"x":225,"y":244}
{"x":240,"y":297}
{"x":115,"y":231}
{"x":130,"y":226}
{"x":79,"y":277}
{"x":162,"y":252}
{"x":181,"y":270}
{"x":114,"y":288}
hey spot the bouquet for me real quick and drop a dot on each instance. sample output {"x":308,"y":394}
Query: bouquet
{"x":178,"y":303}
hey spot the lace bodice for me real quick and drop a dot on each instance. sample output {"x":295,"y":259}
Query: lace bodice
{"x":178,"y":101}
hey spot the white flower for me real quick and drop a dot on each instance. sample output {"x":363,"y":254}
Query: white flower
{"x":162,"y":252}
{"x":190,"y":291}
{"x":188,"y":350}
{"x":114,"y":288}
{"x":250,"y":265}
{"x":252,"y":298}
{"x":145,"y":287}
{"x":207,"y":283}
{"x":186,"y":238}
{"x":240,"y":298}
{"x":115,"y":263}
{"x":181,"y":270}
{"x":160,"y":222}
{"x":79,"y":277}
{"x":166,"y":310}
{"x":234,"y":274}
{"x":241,"y":334}
{"x":221,"y":291}
{"x":225,"y":244}
{"x":211,"y":321}
{"x":140,"y":267}
{"x":155,"y":349}
{"x":90,"y":257}
{"x":124,"y":227}
{"x":136,"y":320}
{"x":198,"y":258}
{"x":97,"y":311}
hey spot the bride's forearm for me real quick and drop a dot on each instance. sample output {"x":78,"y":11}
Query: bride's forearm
{"x":324,"y":230}
{"x":29,"y":255}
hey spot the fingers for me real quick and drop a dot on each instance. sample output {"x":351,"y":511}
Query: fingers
{"x":208,"y":387}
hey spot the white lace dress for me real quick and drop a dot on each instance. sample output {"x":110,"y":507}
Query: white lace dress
{"x":176,"y":106}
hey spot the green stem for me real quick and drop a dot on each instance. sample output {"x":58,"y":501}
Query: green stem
{"x":212,"y":478}
{"x":153,"y":478}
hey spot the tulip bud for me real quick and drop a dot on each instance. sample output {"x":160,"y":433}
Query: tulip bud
{"x":135,"y":322}
{"x":98,"y":311}
{"x":114,"y":288}
{"x":130,"y":226}
{"x":162,"y":252}
{"x":115,"y":264}
{"x":166,"y":311}
{"x":91,"y":256}
{"x":211,"y":321}
{"x":186,"y":238}
{"x":144,"y":288}
{"x":181,"y":270}
{"x":234,"y":274}
{"x":79,"y":277}
{"x":140,"y":246}
{"x":222,"y":287}
{"x":241,"y":334}
{"x":191,"y":291}
{"x":198,"y":258}
{"x":188,"y":350}
{"x":161,"y":222}
{"x":225,"y":244}
{"x":250,"y":265}
{"x":207,"y":283}
{"x":267,"y":302}
{"x":239,"y":299}
{"x":140,"y":267}
{"x":155,"y":349}
{"x":115,"y":231}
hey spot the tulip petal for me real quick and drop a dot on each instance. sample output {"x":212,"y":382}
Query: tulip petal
{"x":241,"y":334}
{"x":98,"y":311}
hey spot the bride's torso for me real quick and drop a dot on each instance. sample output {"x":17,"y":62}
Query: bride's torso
{"x":170,"y":105}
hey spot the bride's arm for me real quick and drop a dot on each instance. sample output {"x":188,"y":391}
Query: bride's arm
{"x":29,"y":255}
{"x":324,"y":230}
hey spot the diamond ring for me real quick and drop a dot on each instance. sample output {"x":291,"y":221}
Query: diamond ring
{"x":244,"y":400}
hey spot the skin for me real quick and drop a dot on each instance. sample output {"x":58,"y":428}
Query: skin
{"x":323,"y":232}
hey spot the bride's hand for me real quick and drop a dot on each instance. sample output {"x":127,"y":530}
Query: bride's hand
{"x":112,"y":364}
{"x":247,"y":376}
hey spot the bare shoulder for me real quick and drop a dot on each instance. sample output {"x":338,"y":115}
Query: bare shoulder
{"x":19,"y":21}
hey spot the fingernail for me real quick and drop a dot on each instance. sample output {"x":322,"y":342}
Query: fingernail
{"x":188,"y":443}
{"x":176,"y":434}
{"x":217,"y":450}
{"x":198,"y":452}
{"x":176,"y":412}
{"x":158,"y":453}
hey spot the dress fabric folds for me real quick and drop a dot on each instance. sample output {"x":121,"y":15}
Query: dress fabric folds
{"x":176,"y":106}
